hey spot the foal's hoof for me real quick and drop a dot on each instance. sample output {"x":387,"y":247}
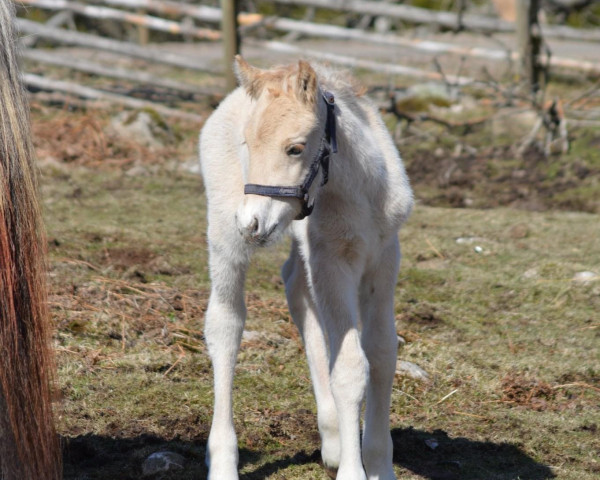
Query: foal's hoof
{"x":332,"y":472}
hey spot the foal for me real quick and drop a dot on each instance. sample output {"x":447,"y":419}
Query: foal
{"x":287,"y":140}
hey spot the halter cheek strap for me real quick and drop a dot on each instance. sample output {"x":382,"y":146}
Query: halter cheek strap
{"x":328,"y":145}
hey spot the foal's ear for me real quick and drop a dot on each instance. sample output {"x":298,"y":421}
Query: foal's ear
{"x":306,"y":87}
{"x":249,"y":77}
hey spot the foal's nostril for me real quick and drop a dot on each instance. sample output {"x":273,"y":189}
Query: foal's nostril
{"x":253,"y":228}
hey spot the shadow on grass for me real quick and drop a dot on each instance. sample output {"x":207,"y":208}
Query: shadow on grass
{"x":432,"y":455}
{"x":96,"y":457}
{"x":435,"y":456}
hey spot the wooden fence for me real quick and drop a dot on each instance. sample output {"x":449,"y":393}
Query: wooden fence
{"x":194,"y":22}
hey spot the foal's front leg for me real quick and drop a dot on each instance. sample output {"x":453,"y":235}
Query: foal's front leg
{"x":223,"y":329}
{"x":335,"y":289}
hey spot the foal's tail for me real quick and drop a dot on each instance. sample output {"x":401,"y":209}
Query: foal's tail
{"x":29,"y":448}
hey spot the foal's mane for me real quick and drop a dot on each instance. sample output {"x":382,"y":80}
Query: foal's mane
{"x":339,"y":81}
{"x":342,"y":83}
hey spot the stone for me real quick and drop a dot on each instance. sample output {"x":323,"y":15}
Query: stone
{"x":251,"y":335}
{"x":584,"y":277}
{"x":432,"y":443}
{"x":160,"y":462}
{"x":191,"y":166}
{"x":519,"y":231}
{"x":531,"y":274}
{"x":145,"y":127}
{"x":408,"y":369}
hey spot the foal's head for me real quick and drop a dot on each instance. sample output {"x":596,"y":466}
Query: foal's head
{"x":282,"y":136}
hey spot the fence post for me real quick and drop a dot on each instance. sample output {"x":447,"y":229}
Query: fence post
{"x":529,"y":37}
{"x":231,"y":40}
{"x":143,"y":33}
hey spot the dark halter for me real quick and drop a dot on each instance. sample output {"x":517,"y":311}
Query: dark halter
{"x":327,"y":146}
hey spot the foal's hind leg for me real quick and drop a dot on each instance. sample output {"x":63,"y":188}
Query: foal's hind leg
{"x":304,"y":314}
{"x":223,"y":329}
{"x":380,"y":343}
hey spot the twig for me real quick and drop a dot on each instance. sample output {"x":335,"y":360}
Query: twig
{"x":181,"y":355}
{"x":123,"y":333}
{"x":592,"y":90}
{"x":435,"y":250}
{"x":589,"y":327}
{"x":470,"y":415}
{"x":577,"y":384}
{"x":408,"y":395}
{"x":79,"y":262}
{"x":446,"y":397}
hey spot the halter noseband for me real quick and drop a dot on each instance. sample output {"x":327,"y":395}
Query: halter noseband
{"x":327,"y":146}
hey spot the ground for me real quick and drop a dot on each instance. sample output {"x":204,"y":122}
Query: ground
{"x":491,"y":301}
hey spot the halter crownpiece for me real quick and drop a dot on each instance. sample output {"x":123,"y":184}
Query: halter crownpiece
{"x":327,"y":146}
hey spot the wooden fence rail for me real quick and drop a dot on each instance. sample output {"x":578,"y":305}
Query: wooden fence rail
{"x":99,"y":95}
{"x":68,"y":37}
{"x":400,"y":12}
{"x":79,"y":64}
{"x":154,"y":23}
{"x":120,"y":10}
{"x":213,"y":15}
{"x":354,"y":62}
{"x":449,"y":20}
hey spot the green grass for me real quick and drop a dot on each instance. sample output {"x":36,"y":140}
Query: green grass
{"x":509,"y":339}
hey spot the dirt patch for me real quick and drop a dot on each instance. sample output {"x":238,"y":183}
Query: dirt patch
{"x":492,"y":177}
{"x":138,"y":263}
{"x":520,"y":390}
{"x":126,"y":257}
{"x":86,"y":140}
{"x":128,"y":312}
{"x":527,"y":392}
{"x":421,"y":314}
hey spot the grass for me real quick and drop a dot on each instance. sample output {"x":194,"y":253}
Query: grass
{"x":486,"y":301}
{"x":508,"y":338}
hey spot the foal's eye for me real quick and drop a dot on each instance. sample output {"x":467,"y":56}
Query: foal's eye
{"x":295,"y":150}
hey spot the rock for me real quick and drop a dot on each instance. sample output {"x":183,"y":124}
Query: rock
{"x":518,"y":231}
{"x":191,"y":166}
{"x":530,"y":274}
{"x":584,"y":277}
{"x":162,"y":462}
{"x":161,"y":266}
{"x":439,"y":152}
{"x":432,"y":443}
{"x":145,"y":127}
{"x":137,"y":171}
{"x":422,"y":96}
{"x":408,"y":369}
{"x":251,"y":335}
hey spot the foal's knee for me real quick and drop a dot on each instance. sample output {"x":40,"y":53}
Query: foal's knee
{"x":350,"y":371}
{"x":382,"y":356}
{"x":224,"y":324}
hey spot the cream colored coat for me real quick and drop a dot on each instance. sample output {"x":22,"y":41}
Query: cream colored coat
{"x":341,"y":274}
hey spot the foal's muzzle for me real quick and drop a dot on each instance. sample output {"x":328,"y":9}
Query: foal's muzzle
{"x":255,"y":234}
